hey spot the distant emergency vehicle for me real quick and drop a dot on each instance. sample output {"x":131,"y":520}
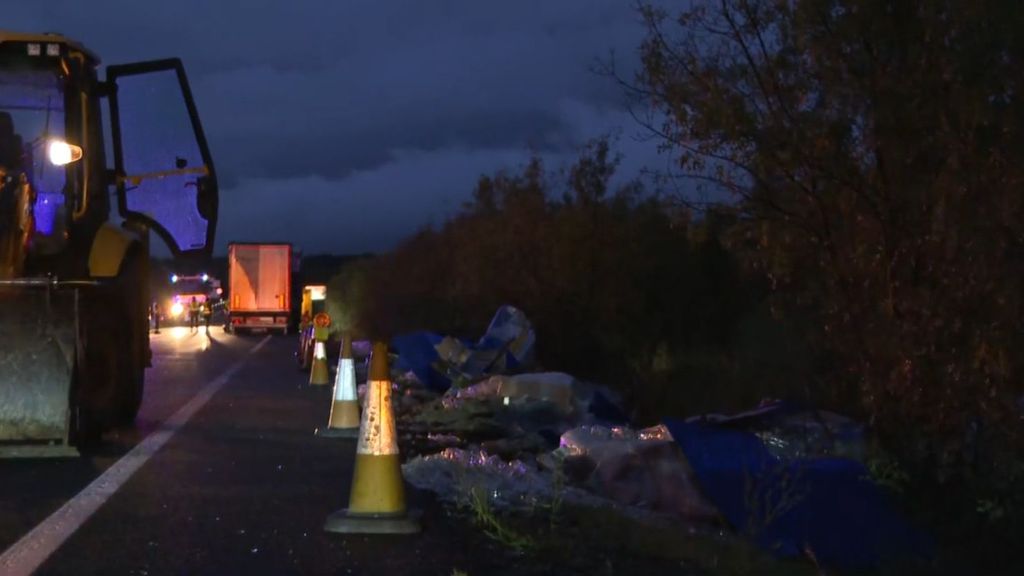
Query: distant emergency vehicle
{"x":202,"y":287}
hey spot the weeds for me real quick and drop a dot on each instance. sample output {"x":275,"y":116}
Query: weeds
{"x":473,"y":496}
{"x":770,"y":495}
{"x":991,"y":509}
{"x":552,"y":509}
{"x":496,"y":528}
{"x":885,"y":471}
{"x":558,"y":491}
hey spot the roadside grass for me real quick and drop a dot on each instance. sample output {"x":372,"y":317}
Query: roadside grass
{"x":586,"y":539}
{"x":494,"y":526}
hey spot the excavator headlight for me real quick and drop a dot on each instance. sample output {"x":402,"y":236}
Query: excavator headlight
{"x":61,"y":153}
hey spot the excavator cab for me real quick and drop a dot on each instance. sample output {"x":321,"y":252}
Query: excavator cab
{"x":74,"y":273}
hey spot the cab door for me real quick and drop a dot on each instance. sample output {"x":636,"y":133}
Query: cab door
{"x":163,"y":169}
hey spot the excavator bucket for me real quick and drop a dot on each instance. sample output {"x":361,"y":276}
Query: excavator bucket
{"x":38,"y":339}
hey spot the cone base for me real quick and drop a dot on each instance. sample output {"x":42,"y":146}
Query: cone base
{"x":338,"y":432}
{"x":343,"y":522}
{"x":319,"y":376}
{"x":344,"y":414}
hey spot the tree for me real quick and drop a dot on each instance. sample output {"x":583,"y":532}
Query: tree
{"x":873,"y":148}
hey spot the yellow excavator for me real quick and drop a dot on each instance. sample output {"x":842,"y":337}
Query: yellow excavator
{"x":90,"y":169}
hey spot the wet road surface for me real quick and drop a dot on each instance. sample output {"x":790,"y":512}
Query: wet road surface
{"x":222,"y":474}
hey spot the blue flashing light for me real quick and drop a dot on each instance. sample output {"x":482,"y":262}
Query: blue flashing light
{"x":46,"y":211}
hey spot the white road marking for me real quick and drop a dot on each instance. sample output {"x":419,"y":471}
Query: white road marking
{"x":29,"y":553}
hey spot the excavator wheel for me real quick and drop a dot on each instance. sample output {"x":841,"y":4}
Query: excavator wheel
{"x":114,"y":342}
{"x":134,"y":338}
{"x":85,"y":428}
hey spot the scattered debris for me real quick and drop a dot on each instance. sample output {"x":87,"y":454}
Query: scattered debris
{"x":554,"y":387}
{"x":453,"y":472}
{"x":455,"y":475}
{"x":790,"y":432}
{"x":792,"y":494}
{"x":641,"y":468}
{"x":476,"y":420}
{"x":438,"y":361}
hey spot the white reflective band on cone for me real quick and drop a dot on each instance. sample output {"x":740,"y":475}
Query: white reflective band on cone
{"x":345,"y":389}
{"x":320,"y":351}
{"x":377,"y":435}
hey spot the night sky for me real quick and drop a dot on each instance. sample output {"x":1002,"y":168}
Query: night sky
{"x":344,"y":126}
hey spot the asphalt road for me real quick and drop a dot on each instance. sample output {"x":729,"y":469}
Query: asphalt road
{"x":241,"y":487}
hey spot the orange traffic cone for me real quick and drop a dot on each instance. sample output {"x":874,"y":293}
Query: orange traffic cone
{"x":344,"y":419}
{"x":377,"y":502}
{"x":320,"y":374}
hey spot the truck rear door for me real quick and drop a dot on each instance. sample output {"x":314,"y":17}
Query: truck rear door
{"x":272,"y":293}
{"x":165,"y":175}
{"x":244,"y":277}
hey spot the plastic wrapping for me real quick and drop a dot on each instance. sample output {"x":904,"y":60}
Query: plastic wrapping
{"x":453,"y":472}
{"x":635,"y":467}
{"x":814,"y":434}
{"x":454,"y":398}
{"x":554,"y":387}
{"x":588,"y":439}
{"x":509,"y":486}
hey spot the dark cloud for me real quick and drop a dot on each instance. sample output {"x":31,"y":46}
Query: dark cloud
{"x":330,"y":92}
{"x":334,"y":149}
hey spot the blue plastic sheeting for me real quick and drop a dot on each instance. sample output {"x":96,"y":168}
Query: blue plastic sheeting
{"x":416,"y":353}
{"x":510,"y":331}
{"x":502,"y":328}
{"x":790,"y":431}
{"x":826,"y":506}
{"x":505,"y":348}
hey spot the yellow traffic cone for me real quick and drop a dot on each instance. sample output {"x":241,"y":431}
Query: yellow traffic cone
{"x":377,"y":502}
{"x":320,"y":375}
{"x":344,"y":419}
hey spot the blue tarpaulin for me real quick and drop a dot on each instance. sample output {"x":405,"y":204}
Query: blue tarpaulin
{"x":827,"y":507}
{"x":506,"y":347}
{"x":416,"y":353}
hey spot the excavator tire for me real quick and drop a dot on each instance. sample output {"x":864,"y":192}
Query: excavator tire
{"x":115,"y":339}
{"x":135,"y":338}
